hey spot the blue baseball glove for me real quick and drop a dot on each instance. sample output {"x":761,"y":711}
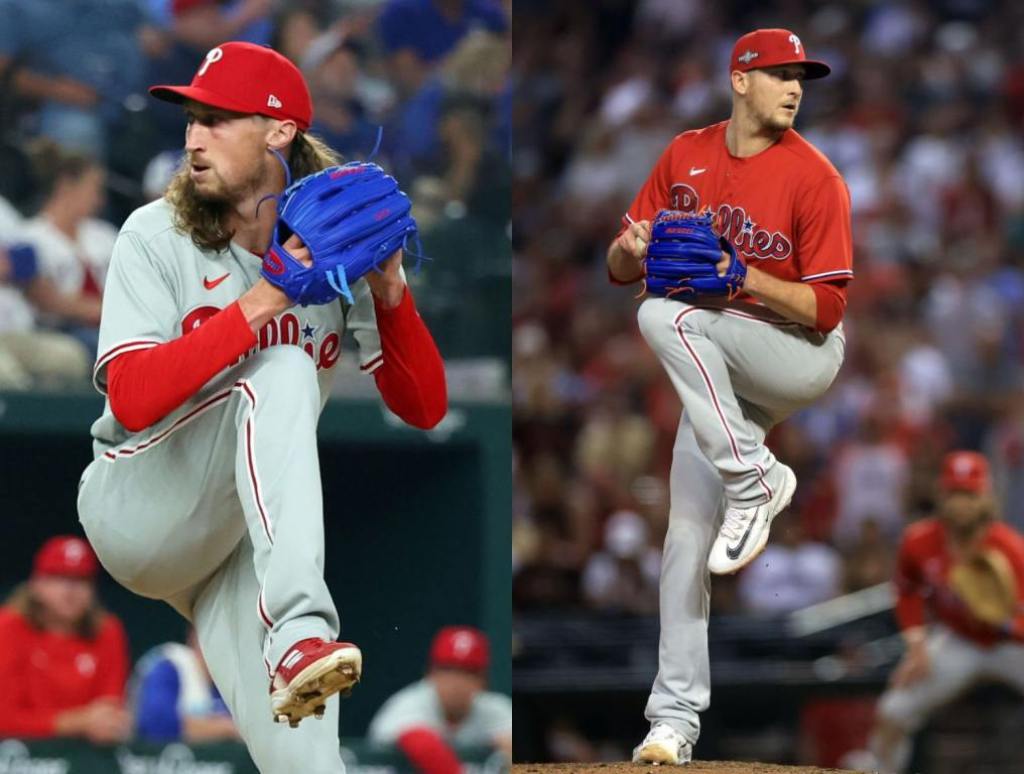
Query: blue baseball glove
{"x":682,"y":257}
{"x":350,"y":218}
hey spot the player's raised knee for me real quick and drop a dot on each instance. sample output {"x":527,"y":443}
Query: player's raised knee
{"x":288,"y":365}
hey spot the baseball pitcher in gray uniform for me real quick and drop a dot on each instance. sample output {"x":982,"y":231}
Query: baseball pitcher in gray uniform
{"x":740,"y":365}
{"x":205,"y":489}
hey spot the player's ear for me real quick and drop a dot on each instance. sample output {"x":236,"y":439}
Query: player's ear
{"x":280,"y":134}
{"x":740,"y":81}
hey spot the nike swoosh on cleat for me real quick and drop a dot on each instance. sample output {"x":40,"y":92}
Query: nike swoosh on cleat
{"x":211,"y":284}
{"x":734,"y":552}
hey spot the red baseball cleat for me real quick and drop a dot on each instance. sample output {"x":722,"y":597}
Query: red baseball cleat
{"x":310,"y":672}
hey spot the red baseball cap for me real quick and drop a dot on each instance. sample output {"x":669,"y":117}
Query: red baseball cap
{"x":965,"y":471}
{"x":460,"y":647}
{"x":247,"y":78}
{"x":772,"y":48}
{"x":65,"y":555}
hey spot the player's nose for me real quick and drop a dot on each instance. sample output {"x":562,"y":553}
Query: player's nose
{"x":195,"y":137}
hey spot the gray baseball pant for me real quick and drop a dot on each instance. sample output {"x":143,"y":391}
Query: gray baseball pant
{"x":737,"y":374}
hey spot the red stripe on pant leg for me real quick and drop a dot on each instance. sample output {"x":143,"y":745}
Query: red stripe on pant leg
{"x":264,"y":615}
{"x":127,"y":451}
{"x":250,"y":459}
{"x":714,"y":399}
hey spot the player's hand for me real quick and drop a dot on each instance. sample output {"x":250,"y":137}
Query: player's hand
{"x":633,"y":241}
{"x":105,"y":721}
{"x":387,"y":284}
{"x":298,"y":251}
{"x":723,"y":265}
{"x":915,"y":666}
{"x":262,"y":302}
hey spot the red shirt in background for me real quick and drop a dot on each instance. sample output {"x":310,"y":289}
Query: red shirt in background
{"x":922,"y":580}
{"x":43,"y":674}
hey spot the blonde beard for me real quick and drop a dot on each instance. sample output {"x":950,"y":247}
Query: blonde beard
{"x":231,"y":196}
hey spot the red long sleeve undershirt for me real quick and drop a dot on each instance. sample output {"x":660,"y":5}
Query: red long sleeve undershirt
{"x":428,"y":752}
{"x":830,"y":298}
{"x":146,"y":385}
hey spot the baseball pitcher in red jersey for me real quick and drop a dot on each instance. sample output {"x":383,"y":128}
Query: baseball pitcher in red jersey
{"x":741,"y":362}
{"x":948,"y":647}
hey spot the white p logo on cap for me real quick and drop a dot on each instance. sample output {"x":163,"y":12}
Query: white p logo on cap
{"x":213,"y":55}
{"x":796,"y":43}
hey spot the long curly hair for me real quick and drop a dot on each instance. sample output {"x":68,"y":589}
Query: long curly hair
{"x":205,"y":221}
{"x":30,"y":607}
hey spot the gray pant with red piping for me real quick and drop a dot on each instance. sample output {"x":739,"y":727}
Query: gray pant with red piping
{"x":739,"y":370}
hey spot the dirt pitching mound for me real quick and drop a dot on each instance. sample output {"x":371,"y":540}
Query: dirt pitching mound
{"x":696,"y":767}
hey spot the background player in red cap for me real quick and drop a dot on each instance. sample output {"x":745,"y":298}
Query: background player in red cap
{"x":948,"y":648}
{"x":205,"y":491}
{"x":743,"y":365}
{"x":64,"y":659}
{"x":448,"y":706}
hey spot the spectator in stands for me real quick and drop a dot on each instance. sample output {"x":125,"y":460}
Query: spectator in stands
{"x":447,"y":707}
{"x":175,"y":698}
{"x":417,"y":34}
{"x":295,"y":29}
{"x":871,"y":559}
{"x":333,"y":66}
{"x":871,"y":476}
{"x":453,"y":125}
{"x":791,"y":574}
{"x":202,"y":24}
{"x":77,"y":61}
{"x":30,"y":357}
{"x":64,"y":659}
{"x":73,"y":245}
{"x":624,"y":576}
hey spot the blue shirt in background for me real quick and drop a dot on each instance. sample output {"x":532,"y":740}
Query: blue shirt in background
{"x":417,"y":24}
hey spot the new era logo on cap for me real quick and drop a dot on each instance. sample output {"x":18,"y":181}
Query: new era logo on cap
{"x":273,"y":101}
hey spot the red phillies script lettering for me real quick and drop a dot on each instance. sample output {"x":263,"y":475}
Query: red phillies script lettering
{"x":330,"y":350}
{"x":287,"y":329}
{"x":749,"y":239}
{"x":197,"y":317}
{"x":742,"y":231}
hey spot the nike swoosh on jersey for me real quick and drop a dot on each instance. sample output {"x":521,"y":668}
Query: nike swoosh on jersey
{"x":733,"y":552}
{"x":695,"y":171}
{"x":211,"y":284}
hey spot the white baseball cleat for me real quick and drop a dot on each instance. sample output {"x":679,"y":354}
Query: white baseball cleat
{"x":744,"y":531}
{"x":663,"y":744}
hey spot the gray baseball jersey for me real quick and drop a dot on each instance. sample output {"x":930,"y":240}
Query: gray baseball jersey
{"x":160,"y":286}
{"x":217,"y":509}
{"x":418,"y":705}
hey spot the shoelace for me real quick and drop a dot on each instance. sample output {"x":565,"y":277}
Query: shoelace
{"x":734,"y":523}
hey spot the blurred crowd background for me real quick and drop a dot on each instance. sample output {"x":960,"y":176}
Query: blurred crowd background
{"x":82,"y":145}
{"x":923,"y":115}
